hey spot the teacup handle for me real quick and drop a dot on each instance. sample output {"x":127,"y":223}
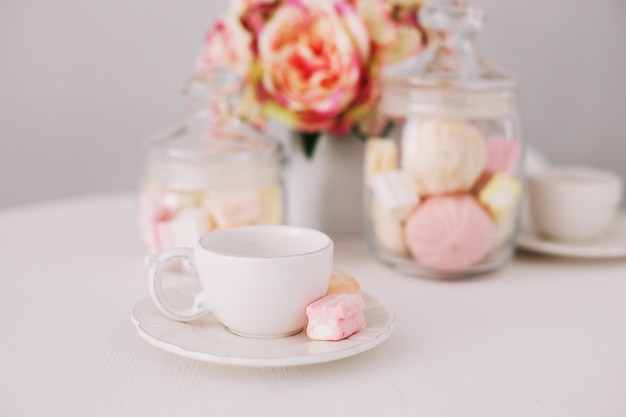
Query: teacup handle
{"x":156,"y":264}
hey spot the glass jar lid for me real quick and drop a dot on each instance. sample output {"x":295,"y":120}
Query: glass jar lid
{"x":212,"y":148}
{"x":449,"y":76}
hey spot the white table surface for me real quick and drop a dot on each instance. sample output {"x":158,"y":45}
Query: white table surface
{"x":543,"y":337}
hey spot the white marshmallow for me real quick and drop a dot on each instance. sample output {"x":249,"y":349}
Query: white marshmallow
{"x":395,"y":194}
{"x":233,"y":208}
{"x":188,"y":225}
{"x":387,"y":230}
{"x":443,"y":156}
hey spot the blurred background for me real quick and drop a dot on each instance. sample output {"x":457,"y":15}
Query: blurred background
{"x":83,"y":84}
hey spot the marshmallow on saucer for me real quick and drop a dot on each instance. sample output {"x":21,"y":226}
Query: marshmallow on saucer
{"x":335,"y":316}
{"x":342,"y":282}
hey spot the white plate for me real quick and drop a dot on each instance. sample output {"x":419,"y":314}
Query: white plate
{"x":612,"y":245}
{"x":207,"y":340}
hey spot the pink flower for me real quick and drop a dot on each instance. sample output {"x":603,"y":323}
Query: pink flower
{"x":313,"y":65}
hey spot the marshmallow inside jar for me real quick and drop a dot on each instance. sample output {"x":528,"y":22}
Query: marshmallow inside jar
{"x":458,"y":152}
{"x":442,"y":155}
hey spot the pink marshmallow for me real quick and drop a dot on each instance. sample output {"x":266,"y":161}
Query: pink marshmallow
{"x":449,"y":232}
{"x":163,"y":239}
{"x":234,"y":208}
{"x":152,"y":218}
{"x":503,"y":155}
{"x":335,"y":316}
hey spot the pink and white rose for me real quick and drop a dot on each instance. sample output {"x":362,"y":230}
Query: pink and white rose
{"x":312,"y":64}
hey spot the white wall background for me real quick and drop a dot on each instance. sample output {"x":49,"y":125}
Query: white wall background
{"x":82,"y":83}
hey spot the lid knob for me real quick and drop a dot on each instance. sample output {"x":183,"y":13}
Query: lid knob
{"x":452,"y":16}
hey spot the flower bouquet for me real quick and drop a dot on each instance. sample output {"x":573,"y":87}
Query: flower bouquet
{"x":313,"y":65}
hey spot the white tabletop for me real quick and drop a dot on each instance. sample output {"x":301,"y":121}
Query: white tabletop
{"x":543,"y":337}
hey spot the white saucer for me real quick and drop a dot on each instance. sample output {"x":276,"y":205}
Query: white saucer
{"x":207,"y":340}
{"x":612,"y":245}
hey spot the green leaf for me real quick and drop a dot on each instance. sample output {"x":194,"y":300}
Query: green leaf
{"x":382,"y":132}
{"x":309,"y":141}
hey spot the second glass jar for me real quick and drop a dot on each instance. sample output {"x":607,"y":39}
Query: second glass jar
{"x":444,"y":181}
{"x":214,"y":172}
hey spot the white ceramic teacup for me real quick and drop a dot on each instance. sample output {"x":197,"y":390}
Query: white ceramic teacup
{"x":256,"y":280}
{"x":574,"y":203}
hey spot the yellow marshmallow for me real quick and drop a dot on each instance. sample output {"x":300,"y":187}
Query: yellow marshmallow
{"x":272,"y":202}
{"x":342,"y":282}
{"x":500,"y":195}
{"x":381,"y":155}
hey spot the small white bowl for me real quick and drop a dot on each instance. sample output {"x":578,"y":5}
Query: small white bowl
{"x":574,"y":203}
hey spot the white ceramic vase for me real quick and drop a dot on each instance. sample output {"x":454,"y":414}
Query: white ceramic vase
{"x":325,"y":192}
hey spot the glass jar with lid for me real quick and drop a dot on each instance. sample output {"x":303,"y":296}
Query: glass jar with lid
{"x":213,"y":172}
{"x":443,"y":179}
